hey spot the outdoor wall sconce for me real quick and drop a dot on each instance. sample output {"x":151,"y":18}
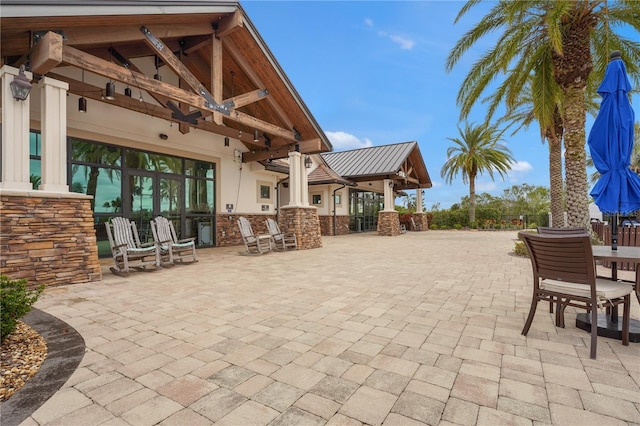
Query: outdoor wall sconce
{"x":163,"y":136}
{"x":110,"y":91}
{"x":20,"y":86}
{"x":127,"y":91}
{"x":256,"y":137}
{"x":82,"y":104}
{"x":308,"y":162}
{"x":226,"y":141}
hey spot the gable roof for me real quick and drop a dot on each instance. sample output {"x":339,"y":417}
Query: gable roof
{"x":323,"y":175}
{"x":401,"y":162}
{"x":211,"y":43}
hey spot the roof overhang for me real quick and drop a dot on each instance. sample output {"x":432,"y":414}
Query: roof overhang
{"x":225,"y":79}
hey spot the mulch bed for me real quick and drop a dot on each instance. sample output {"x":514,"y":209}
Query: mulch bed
{"x":22,"y":354}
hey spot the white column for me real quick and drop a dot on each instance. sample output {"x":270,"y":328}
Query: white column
{"x":54,"y":135}
{"x":15,"y":135}
{"x":389,"y":201}
{"x":419,"y":200}
{"x":295,"y":180}
{"x":304,"y":182}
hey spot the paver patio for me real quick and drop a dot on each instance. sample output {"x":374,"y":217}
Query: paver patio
{"x":418,"y":328}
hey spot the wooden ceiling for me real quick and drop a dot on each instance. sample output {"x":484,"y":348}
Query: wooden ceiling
{"x":229,"y":83}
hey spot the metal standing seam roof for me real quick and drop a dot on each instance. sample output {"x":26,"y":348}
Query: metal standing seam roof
{"x":375,"y":160}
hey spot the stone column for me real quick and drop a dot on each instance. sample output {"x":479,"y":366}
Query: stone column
{"x":305,"y":223}
{"x":54,"y":135}
{"x":15,"y":135}
{"x":295,"y":193}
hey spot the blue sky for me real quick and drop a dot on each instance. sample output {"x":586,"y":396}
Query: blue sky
{"x":373,"y":73}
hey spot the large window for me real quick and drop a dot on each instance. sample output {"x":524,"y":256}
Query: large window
{"x":363,"y":210}
{"x":141,"y":185}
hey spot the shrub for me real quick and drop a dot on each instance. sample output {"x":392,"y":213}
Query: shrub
{"x":15,"y":302}
{"x":521,"y":249}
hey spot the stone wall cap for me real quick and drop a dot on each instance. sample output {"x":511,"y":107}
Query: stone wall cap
{"x":44,"y":194}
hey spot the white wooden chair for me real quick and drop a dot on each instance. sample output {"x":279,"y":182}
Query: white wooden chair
{"x":126,"y":249}
{"x":283,"y":240}
{"x":255,"y":244}
{"x":171,"y":248}
{"x":414,"y":226}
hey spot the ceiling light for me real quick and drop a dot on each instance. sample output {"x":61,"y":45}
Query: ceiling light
{"x":110,"y":91}
{"x":82,"y":104}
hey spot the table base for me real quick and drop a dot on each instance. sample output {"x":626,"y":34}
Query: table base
{"x":608,"y":328}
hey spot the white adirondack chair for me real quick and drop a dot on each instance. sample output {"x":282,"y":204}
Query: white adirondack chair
{"x":126,"y":249}
{"x":282,"y":240}
{"x":171,"y":248}
{"x":255,"y":244}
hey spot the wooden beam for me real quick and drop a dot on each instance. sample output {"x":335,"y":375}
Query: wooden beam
{"x":248,"y":98}
{"x":229,"y":24}
{"x":47,"y":54}
{"x":192,"y":44}
{"x":92,"y":92}
{"x":162,"y":100}
{"x":216,"y":75}
{"x":233,"y":50}
{"x":122,"y":34}
{"x":181,"y":70}
{"x":272,"y":129}
{"x":311,"y":146}
{"x":77,"y":58}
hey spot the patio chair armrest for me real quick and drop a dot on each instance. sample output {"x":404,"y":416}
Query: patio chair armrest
{"x":151,"y":244}
{"x":186,"y":240}
{"x":119,"y":246}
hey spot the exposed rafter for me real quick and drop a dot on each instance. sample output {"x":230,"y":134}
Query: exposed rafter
{"x":311,"y":146}
{"x":80,"y":59}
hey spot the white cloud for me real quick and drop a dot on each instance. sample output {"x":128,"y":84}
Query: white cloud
{"x":342,"y":141}
{"x":521,"y":167}
{"x":405,"y":43}
{"x":518,"y":170}
{"x":436,"y":184}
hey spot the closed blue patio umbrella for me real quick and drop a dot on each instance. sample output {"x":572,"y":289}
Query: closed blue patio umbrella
{"x":611,"y":143}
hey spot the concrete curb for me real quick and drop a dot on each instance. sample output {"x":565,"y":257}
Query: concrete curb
{"x":65,"y":350}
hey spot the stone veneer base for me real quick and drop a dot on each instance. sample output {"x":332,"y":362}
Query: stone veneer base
{"x":388,"y":223}
{"x":48,"y":238}
{"x":305,"y":223}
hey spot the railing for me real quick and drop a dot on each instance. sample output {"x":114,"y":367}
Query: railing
{"x":627,"y":236}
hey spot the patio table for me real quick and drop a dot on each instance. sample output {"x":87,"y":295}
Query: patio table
{"x":609,"y":324}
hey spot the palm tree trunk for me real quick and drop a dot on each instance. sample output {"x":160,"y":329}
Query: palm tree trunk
{"x":575,"y":155}
{"x":556,"y":183}
{"x":472,"y":201}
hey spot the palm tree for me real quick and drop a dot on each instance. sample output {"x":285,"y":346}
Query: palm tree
{"x":476,"y":151}
{"x":573,"y":29}
{"x":635,"y":155}
{"x":541,"y":101}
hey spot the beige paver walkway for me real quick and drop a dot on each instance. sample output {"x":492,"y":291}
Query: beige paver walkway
{"x":419,"y":328}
